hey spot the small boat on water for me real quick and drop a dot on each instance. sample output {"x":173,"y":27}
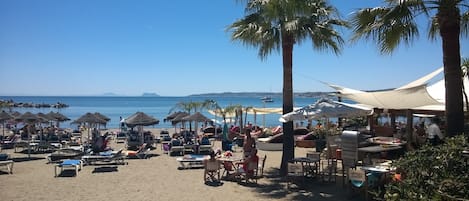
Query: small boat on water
{"x":267,"y":99}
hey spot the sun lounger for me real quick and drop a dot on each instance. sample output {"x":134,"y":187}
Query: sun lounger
{"x":75,"y":164}
{"x":192,"y":161}
{"x":205,"y":148}
{"x":117,"y":158}
{"x":176,"y":149}
{"x":8,"y":164}
{"x":142,"y":153}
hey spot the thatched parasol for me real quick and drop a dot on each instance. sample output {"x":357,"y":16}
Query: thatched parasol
{"x":140,"y":119}
{"x":4,"y":116}
{"x":196,"y":117}
{"x":30,"y":119}
{"x":91,"y":119}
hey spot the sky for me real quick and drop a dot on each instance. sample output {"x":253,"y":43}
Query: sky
{"x":179,"y":48}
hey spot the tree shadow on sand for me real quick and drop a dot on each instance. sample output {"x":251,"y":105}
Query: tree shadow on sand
{"x":275,"y":187}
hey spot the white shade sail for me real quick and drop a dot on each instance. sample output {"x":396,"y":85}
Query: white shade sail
{"x":326,"y":108}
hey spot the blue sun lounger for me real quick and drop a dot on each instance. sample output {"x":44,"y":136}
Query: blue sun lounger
{"x":75,"y":164}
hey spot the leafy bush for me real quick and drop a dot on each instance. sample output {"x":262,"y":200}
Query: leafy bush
{"x":433,"y":173}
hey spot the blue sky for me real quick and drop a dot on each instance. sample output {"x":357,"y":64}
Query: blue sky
{"x":178,"y":48}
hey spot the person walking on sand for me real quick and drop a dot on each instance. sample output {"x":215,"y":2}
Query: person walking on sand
{"x":434,"y":136}
{"x":249,"y":143}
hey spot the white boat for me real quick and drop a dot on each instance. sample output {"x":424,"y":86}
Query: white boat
{"x":265,"y":144}
{"x":267,"y":99}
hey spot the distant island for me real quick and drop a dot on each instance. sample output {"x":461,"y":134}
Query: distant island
{"x":150,"y":94}
{"x":261,"y":94}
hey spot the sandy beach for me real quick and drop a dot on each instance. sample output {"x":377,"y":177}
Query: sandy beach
{"x":156,"y":178}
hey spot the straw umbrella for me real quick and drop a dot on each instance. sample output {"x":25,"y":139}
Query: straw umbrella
{"x":196,"y":117}
{"x":4,"y":116}
{"x":140,"y":119}
{"x":30,"y":119}
{"x":91,"y":119}
{"x":102,"y":116}
{"x":58,"y":117}
{"x":178,"y":119}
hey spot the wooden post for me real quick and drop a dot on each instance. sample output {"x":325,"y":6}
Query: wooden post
{"x":409,"y":126}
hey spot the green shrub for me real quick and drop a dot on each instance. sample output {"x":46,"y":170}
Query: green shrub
{"x":433,"y":173}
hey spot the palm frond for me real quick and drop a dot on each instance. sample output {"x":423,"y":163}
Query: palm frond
{"x":465,"y":23}
{"x":389,"y":26}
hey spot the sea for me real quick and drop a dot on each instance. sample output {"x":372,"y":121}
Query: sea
{"x":159,"y":107}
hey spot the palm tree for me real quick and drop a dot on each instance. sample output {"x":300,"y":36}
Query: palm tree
{"x":465,"y":73}
{"x":277,"y":25}
{"x":396,"y":23}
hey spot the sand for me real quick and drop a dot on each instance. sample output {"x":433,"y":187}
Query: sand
{"x":156,"y":178}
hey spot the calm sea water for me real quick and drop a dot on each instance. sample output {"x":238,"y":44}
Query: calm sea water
{"x":158,"y":107}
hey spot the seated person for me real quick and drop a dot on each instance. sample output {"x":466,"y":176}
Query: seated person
{"x":277,"y":130}
{"x":213,"y":158}
{"x":205,"y":141}
{"x":248,"y":165}
{"x":256,"y":132}
{"x":176,"y":142}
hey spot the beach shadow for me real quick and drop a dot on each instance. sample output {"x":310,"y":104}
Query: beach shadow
{"x":2,"y":172}
{"x":148,"y":157}
{"x":214,"y":183}
{"x":105,"y":169}
{"x":24,"y":159}
{"x":309,"y":189}
{"x":67,"y":173}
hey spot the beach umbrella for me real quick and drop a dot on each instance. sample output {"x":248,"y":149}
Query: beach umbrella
{"x":91,"y":119}
{"x":4,"y":116}
{"x":29,"y":119}
{"x":196,"y":117}
{"x":179,"y":118}
{"x":172,"y":116}
{"x":57,"y":117}
{"x":15,"y":114}
{"x":102,"y":116}
{"x":140,"y":119}
{"x":326,"y":108}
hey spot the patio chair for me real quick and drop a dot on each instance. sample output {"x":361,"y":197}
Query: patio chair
{"x":212,"y":171}
{"x":295,"y":173}
{"x":250,"y":173}
{"x":260,"y":168}
{"x":142,"y":153}
{"x":228,"y":169}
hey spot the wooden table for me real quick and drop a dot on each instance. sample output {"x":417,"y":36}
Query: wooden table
{"x":230,"y":163}
{"x":377,"y":149}
{"x":192,"y":161}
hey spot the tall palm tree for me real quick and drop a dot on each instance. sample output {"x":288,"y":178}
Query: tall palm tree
{"x":397,"y":22}
{"x":465,"y":73}
{"x":277,"y":25}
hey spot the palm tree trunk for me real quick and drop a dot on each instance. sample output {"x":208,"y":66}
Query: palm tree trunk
{"x":288,"y":141}
{"x":449,"y":24}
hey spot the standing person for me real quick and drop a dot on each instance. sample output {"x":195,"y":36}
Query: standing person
{"x":249,"y":143}
{"x":434,"y":136}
